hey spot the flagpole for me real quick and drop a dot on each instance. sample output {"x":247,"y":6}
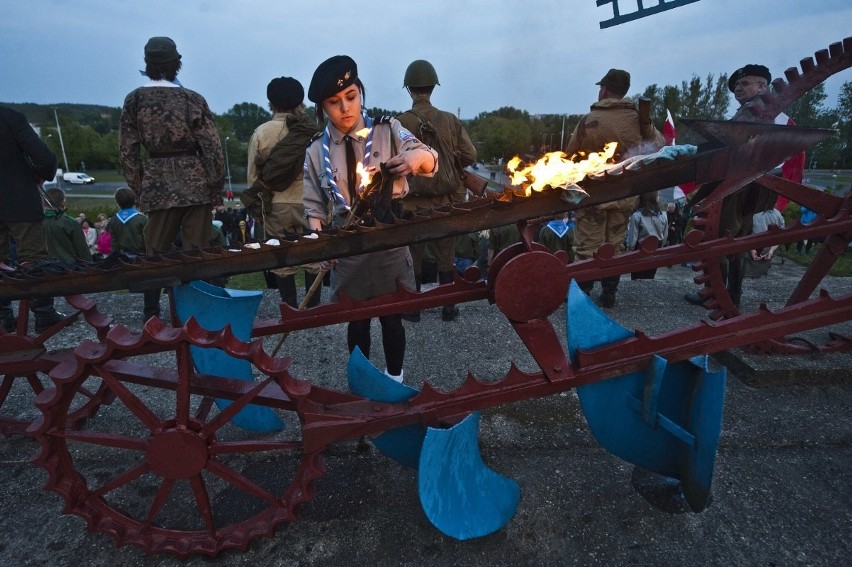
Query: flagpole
{"x":61,"y":143}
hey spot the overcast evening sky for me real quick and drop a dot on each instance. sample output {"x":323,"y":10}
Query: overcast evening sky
{"x":542,"y":56}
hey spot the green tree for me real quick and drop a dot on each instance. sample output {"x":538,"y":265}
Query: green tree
{"x":244,"y":118}
{"x":498,"y":137}
{"x":844,"y":126}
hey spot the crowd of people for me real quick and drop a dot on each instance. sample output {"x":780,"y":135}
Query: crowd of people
{"x":304,"y":178}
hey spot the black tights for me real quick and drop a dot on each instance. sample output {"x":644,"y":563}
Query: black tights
{"x":393,"y":340}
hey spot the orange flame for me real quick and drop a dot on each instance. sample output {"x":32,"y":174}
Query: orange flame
{"x":366,"y":174}
{"x":555,"y":170}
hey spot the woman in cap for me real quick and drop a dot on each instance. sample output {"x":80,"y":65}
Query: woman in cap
{"x":331,"y":187}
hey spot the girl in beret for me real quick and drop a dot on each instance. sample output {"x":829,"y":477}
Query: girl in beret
{"x":330,"y":189}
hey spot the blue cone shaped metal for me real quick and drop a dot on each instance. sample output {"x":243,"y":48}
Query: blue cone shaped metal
{"x":401,"y":444}
{"x":460,"y":495}
{"x":214,"y":307}
{"x":666,"y":419}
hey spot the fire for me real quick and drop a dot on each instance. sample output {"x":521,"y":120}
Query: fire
{"x":556,"y":170}
{"x":366,"y":174}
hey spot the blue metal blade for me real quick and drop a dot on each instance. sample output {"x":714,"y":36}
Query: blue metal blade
{"x":214,"y":307}
{"x":460,"y":495}
{"x":402,"y":444}
{"x":666,"y":419}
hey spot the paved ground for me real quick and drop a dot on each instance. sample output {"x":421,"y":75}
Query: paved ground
{"x":781,"y":489}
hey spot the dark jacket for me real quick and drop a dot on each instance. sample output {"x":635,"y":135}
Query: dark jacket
{"x":24,"y":162}
{"x":64,"y":238}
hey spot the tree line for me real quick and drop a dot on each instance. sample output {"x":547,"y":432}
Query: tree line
{"x":90,"y":132}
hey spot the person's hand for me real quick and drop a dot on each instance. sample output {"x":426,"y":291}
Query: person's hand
{"x":411,"y":162}
{"x":327,"y":265}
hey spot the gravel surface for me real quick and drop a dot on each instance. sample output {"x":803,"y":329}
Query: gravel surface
{"x":780,"y":494}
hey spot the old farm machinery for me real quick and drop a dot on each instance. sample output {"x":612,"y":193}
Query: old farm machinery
{"x":651,"y":400}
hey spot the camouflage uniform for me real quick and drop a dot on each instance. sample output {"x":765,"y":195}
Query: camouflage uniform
{"x":610,"y":120}
{"x":183,"y":178}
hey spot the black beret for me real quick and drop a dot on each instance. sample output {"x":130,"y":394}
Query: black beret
{"x":332,"y":76}
{"x":161,"y":50}
{"x":749,"y":71}
{"x":285,"y":92}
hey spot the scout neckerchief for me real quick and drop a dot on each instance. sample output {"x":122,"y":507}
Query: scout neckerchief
{"x":559,"y":227}
{"x":335,"y":193}
{"x":125,"y":215}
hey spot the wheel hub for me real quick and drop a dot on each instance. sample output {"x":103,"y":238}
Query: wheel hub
{"x":177,"y":453}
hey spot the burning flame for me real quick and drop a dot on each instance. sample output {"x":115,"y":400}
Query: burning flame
{"x":366,"y":174}
{"x":555,"y":170}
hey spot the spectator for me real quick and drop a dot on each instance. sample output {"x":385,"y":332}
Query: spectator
{"x":65,"y":239}
{"x":25,"y":162}
{"x":807,"y":217}
{"x":127,"y":235}
{"x":91,"y":236}
{"x":647,"y":220}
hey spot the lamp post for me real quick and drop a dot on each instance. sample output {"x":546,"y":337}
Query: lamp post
{"x":228,"y":164}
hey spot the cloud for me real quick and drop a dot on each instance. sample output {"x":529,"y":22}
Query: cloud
{"x":542,"y":56}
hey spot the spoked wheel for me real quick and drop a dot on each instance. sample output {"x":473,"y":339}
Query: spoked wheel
{"x":161,"y":469}
{"x":718,"y":300}
{"x":24,"y":367}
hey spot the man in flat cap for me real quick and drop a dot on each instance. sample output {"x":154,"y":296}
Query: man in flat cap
{"x":184,"y":175}
{"x":613,"y":118}
{"x":276,"y":158}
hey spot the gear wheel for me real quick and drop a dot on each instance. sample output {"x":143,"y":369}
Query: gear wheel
{"x":24,"y":368}
{"x":159,"y":469}
{"x":717,"y":298}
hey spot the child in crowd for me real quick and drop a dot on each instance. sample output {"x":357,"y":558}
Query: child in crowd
{"x":62,"y":234}
{"x":127,"y":230}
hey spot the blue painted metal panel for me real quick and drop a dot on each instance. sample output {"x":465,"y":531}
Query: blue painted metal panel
{"x":402,"y":444}
{"x":666,"y":419}
{"x":460,"y":495}
{"x":214,"y":307}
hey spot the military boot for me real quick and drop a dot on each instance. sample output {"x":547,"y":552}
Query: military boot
{"x":7,"y":316}
{"x":609,"y":286}
{"x":317,"y":296}
{"x":414,"y":316}
{"x":448,"y":312}
{"x":151,"y":304}
{"x":45,"y":314}
{"x":287,"y":289}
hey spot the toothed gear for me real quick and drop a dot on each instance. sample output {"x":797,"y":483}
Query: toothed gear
{"x":188,"y":484}
{"x":715,"y":293}
{"x":24,"y":368}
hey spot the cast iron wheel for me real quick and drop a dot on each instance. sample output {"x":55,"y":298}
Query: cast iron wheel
{"x":160,"y":470}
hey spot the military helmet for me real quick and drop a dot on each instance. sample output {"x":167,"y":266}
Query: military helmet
{"x":420,"y":74}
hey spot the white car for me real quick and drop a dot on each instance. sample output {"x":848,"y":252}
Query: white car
{"x":78,"y":178}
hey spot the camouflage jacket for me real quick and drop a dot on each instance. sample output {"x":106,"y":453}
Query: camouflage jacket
{"x":185,"y":165}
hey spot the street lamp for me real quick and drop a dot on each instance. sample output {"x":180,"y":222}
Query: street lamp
{"x":228,"y":164}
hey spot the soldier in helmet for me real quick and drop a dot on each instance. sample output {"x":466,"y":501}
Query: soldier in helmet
{"x":420,"y":80}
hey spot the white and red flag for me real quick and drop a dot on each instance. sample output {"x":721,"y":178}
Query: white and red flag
{"x":793,"y":168}
{"x":669,"y":131}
